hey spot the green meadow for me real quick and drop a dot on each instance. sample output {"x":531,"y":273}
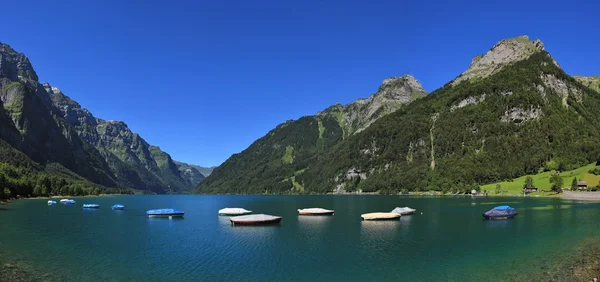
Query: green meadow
{"x":542,"y":181}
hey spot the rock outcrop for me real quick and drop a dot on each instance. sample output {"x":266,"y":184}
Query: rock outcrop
{"x":505,"y":52}
{"x":393,"y":93}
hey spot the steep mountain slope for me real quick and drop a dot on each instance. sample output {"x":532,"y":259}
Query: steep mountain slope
{"x":44,"y":136}
{"x":592,"y":82}
{"x":205,"y":171}
{"x":191,"y":172}
{"x":134,"y":162}
{"x":496,"y":121}
{"x":272,"y":163}
{"x":50,"y":128}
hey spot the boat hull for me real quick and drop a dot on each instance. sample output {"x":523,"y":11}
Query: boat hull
{"x":316,"y":213}
{"x":381,"y":219}
{"x":175,"y":215}
{"x":233,"y":214}
{"x":256,"y":222}
{"x":381,"y":216}
{"x":498,"y":217}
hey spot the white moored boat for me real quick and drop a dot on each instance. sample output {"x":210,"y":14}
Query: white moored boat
{"x":381,"y":216}
{"x":315,"y":211}
{"x":234,"y":211}
{"x":255,"y":219}
{"x":404,"y":210}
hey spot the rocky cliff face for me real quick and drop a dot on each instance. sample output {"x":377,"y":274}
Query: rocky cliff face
{"x":135,"y":162}
{"x":274,"y":162}
{"x":47,"y":125}
{"x":504,"y":53}
{"x":44,"y":135}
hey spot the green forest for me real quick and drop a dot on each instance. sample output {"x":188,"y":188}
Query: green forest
{"x":21,"y":177}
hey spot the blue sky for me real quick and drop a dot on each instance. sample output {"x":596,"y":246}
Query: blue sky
{"x":204,"y":79}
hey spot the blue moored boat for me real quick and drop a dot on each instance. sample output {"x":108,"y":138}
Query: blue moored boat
{"x":170,"y":213}
{"x":91,"y":206}
{"x":118,"y":207}
{"x":51,"y":202}
{"x":500,"y":212}
{"x":68,"y":202}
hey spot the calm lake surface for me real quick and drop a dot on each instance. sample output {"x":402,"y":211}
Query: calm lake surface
{"x":449,"y":241}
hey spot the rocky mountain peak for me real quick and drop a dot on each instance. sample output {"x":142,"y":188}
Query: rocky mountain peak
{"x":505,"y":52}
{"x":15,"y":66}
{"x":401,"y":88}
{"x":52,"y":90}
{"x":392,"y":93}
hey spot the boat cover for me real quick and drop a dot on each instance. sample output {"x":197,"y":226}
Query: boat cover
{"x":404,"y":210}
{"x":234,"y":211}
{"x":501,"y":211}
{"x":91,"y":205}
{"x":254,"y":218}
{"x":380,"y":215}
{"x":315,"y":210}
{"x":163,"y":212}
{"x":118,"y":206}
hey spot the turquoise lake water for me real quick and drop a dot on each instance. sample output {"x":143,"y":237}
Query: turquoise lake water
{"x":448,"y":242}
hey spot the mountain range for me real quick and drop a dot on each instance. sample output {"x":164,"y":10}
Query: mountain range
{"x":49,"y":129}
{"x":513,"y":112}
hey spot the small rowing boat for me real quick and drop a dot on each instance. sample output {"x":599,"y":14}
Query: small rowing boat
{"x":234,"y":211}
{"x":381,"y":216}
{"x":255,"y":219}
{"x":91,"y":206}
{"x":51,"y":202}
{"x":315,"y":211}
{"x":118,"y":207}
{"x":170,"y":213}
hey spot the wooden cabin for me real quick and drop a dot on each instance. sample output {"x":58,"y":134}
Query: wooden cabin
{"x":582,"y":185}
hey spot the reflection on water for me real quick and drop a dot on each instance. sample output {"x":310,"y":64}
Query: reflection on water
{"x":550,"y":207}
{"x":379,"y":227}
{"x":309,"y":220}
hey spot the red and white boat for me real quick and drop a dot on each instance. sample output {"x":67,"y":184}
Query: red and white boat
{"x":315,"y":211}
{"x":255,"y":219}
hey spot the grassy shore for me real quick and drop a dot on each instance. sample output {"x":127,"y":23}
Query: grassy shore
{"x":542,"y":181}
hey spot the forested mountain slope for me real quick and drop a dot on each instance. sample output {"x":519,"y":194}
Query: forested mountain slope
{"x":525,"y":115}
{"x":272,"y":163}
{"x":49,"y":127}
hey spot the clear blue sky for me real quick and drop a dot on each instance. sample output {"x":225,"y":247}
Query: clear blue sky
{"x":204,"y":79}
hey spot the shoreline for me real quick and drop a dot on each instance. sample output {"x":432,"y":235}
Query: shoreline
{"x":582,"y":196}
{"x":17,"y":271}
